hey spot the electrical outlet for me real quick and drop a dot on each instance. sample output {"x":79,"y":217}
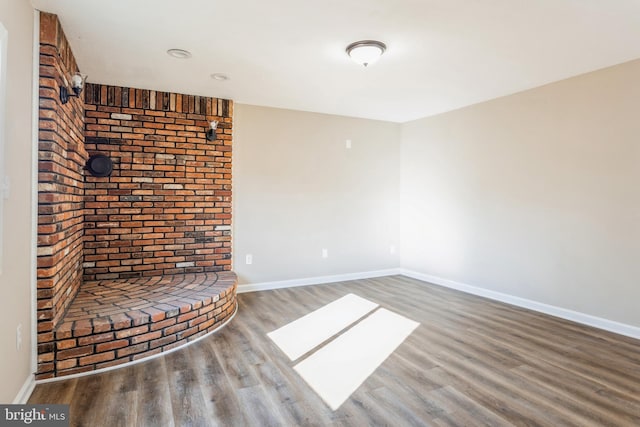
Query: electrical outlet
{"x":249,"y":259}
{"x":348,"y":143}
{"x":325,"y":253}
{"x":19,"y":337}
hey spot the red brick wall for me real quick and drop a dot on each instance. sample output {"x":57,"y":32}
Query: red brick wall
{"x":60,"y":186}
{"x":166,"y":208}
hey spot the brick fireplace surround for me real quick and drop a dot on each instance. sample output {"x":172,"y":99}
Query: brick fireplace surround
{"x":139,"y":262}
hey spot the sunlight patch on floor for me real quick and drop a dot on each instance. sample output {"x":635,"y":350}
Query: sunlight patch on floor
{"x":336,"y":370}
{"x":306,"y":333}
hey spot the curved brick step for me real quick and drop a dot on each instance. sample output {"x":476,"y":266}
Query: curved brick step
{"x":111,"y":322}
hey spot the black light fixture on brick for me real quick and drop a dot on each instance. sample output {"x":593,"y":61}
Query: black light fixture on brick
{"x":99,"y":165}
{"x":77,"y":84}
{"x":211,"y":133}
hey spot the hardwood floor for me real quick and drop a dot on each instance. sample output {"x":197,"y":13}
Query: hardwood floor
{"x":471,"y":362}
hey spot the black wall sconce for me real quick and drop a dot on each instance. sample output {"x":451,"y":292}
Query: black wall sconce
{"x":211,"y":133}
{"x":77,"y":84}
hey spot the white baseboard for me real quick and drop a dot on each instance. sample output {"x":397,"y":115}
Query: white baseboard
{"x":575,"y":316}
{"x":26,"y":390}
{"x":265,"y":286}
{"x":564,"y":313}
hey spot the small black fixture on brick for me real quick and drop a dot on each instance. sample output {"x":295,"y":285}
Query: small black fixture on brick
{"x":99,"y":165}
{"x":211,"y":133}
{"x":77,"y":84}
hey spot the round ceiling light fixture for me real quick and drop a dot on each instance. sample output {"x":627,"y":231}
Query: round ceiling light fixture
{"x":179,"y":53}
{"x":366,"y":52}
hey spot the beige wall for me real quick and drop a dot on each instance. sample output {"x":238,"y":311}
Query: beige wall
{"x":297,"y":190}
{"x":536,"y":195}
{"x":15,"y":296}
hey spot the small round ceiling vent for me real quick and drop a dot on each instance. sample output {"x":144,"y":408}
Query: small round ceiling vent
{"x":99,"y":165}
{"x":179,"y":53}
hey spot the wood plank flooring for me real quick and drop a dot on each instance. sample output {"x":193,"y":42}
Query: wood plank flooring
{"x":471,"y":362}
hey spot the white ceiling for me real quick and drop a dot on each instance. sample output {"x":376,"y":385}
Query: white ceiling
{"x":442,"y":54}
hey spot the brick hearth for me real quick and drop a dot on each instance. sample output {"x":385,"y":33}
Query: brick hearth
{"x":111,"y":322}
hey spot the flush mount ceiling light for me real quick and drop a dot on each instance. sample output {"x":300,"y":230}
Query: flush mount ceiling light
{"x":366,"y":52}
{"x":179,"y":53}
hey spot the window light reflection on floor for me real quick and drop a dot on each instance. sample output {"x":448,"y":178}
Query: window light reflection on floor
{"x":336,"y":370}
